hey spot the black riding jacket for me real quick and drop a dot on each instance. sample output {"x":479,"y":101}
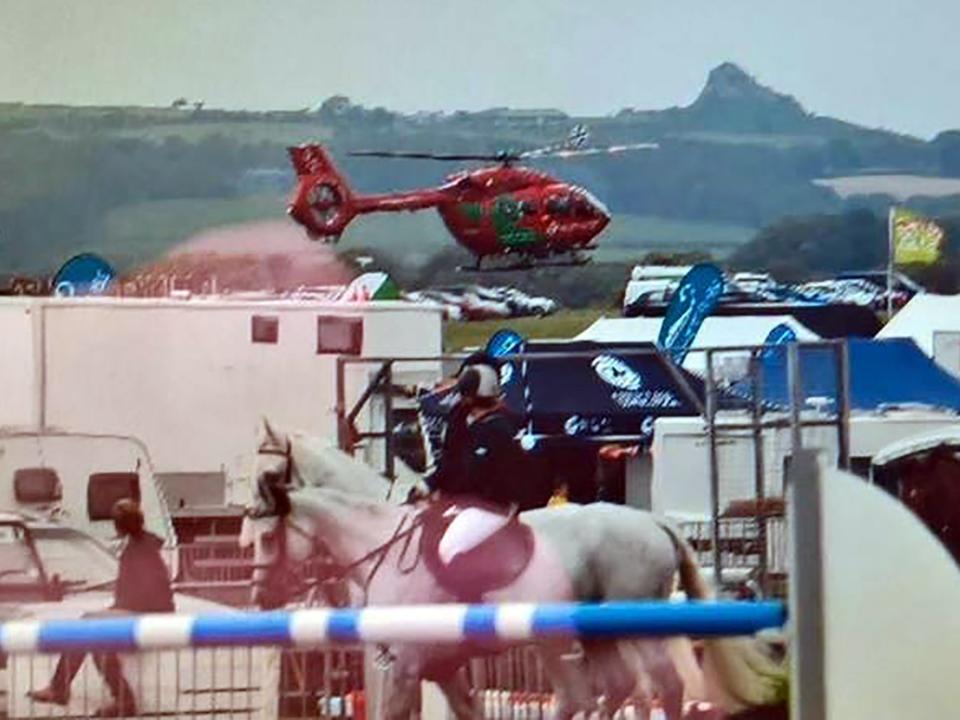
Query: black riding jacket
{"x":481,"y":458}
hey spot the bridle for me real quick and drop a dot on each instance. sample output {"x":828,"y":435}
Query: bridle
{"x":287,"y":454}
{"x":317,"y":549}
{"x":271,"y":496}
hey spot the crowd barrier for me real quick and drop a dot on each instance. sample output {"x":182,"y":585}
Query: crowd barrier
{"x":280,"y":664}
{"x":413,"y":623}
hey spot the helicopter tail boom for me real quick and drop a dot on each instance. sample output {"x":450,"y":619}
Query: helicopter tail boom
{"x":324,"y":203}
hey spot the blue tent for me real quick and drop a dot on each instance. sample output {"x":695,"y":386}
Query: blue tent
{"x":882,"y":373}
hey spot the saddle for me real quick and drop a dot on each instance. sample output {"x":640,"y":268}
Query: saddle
{"x":493,"y":564}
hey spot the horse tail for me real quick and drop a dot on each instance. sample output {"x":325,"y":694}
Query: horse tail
{"x":692,"y":582}
{"x":738,"y":672}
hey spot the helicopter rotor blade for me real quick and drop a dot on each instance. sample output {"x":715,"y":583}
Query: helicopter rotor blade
{"x":454,"y":157}
{"x":567,"y":153}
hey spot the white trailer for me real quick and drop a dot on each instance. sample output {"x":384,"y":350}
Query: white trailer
{"x":76,"y":477}
{"x":192,"y":378}
{"x":677,"y":481}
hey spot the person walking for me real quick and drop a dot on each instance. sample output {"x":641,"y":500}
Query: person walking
{"x":142,"y":586}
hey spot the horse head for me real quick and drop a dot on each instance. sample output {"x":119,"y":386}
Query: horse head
{"x":270,"y":524}
{"x":316,"y":462}
{"x":283,"y":534}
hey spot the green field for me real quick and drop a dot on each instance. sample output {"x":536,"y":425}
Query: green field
{"x":629,"y":237}
{"x":562,"y":325}
{"x":136,"y":234}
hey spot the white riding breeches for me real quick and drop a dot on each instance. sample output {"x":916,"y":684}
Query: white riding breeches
{"x":469,"y":528}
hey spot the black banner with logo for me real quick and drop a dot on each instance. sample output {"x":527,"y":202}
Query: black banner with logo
{"x":612,"y":389}
{"x":608,"y":390}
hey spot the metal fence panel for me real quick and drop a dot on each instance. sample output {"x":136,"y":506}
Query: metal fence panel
{"x":256,"y":683}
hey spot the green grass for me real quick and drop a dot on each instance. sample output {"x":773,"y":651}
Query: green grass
{"x":561,"y":325}
{"x":630,"y":237}
{"x":138,"y":232}
{"x":135,"y":234}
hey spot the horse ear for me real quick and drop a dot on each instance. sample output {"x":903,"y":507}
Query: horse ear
{"x":268,"y":431}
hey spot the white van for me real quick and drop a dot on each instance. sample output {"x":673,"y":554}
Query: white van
{"x":652,"y":284}
{"x":75,"y":478}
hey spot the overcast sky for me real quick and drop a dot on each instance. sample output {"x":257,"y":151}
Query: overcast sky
{"x":882,"y":63}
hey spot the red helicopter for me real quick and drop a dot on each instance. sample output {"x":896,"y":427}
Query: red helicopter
{"x":495,"y":211}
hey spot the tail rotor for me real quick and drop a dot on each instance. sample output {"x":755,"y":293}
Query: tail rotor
{"x":322,"y":201}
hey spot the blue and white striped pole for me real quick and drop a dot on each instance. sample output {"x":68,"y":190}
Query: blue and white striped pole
{"x":446,"y":623}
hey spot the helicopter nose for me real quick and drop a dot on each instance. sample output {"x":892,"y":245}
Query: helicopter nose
{"x":594,"y":209}
{"x":603,"y":216}
{"x":601,"y":210}
{"x":600,"y":217}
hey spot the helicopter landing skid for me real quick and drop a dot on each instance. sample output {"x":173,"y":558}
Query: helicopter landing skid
{"x":527,"y":264}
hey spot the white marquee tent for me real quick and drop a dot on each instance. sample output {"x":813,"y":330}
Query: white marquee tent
{"x":933,"y":323}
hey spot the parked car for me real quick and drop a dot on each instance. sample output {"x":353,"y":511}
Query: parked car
{"x":49,"y":571}
{"x":524,"y":305}
{"x":652,"y":284}
{"x":479,"y":308}
{"x":451,"y":307}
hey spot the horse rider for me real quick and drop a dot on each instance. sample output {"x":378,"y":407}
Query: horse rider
{"x":481,"y":463}
{"x":142,"y":586}
{"x":481,"y":457}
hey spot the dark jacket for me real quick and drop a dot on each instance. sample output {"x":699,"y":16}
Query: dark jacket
{"x":143,"y":583}
{"x":482,"y":459}
{"x":451,"y":463}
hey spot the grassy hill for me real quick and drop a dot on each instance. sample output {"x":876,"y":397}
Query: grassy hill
{"x":132,"y":183}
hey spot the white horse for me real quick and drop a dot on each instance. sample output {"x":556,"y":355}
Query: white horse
{"x":594,"y":552}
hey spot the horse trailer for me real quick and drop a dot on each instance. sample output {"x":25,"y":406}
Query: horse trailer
{"x":677,"y":481}
{"x":191,"y":378}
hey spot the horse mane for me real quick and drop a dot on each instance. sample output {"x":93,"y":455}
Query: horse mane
{"x":320,"y":464}
{"x":313,"y":495}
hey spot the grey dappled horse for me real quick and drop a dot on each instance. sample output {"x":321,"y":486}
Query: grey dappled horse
{"x":314,"y":498}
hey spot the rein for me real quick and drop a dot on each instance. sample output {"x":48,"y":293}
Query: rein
{"x":380,"y":553}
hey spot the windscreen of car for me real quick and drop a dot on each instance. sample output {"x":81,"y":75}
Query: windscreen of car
{"x":75,"y":557}
{"x":17,"y":564}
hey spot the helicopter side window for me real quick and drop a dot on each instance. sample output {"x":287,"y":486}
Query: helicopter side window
{"x":558,"y":205}
{"x":527,"y":207}
{"x":582,"y":208}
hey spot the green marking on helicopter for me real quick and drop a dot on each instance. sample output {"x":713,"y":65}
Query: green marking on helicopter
{"x":506,"y":217}
{"x":472,"y":211}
